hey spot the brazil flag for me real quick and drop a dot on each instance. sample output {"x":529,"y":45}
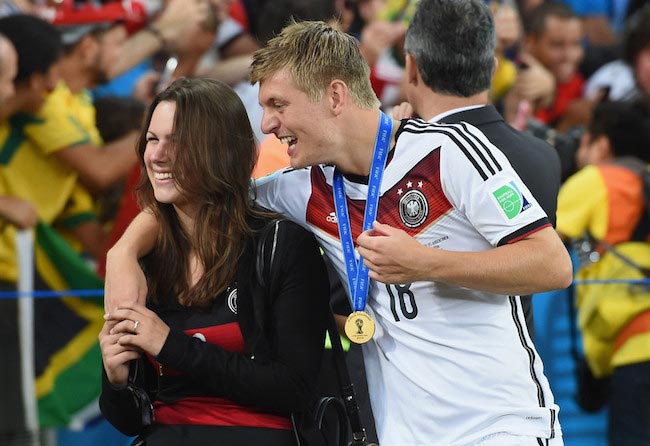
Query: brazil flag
{"x":67,"y":354}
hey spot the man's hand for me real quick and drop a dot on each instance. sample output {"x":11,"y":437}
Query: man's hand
{"x":179,"y":16}
{"x":377,"y":36}
{"x":534,"y":83}
{"x":19,"y":213}
{"x":392,"y":255}
{"x":145,"y":87}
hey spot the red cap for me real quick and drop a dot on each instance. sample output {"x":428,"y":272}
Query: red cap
{"x":132,"y":13}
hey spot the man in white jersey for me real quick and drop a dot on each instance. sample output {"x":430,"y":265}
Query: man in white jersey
{"x":451,"y":362}
{"x":448,"y":81}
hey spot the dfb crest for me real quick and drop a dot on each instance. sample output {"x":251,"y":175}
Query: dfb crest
{"x":413,"y":208}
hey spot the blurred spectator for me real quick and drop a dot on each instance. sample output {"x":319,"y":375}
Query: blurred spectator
{"x":508,"y":26}
{"x":508,"y":36}
{"x":9,"y":7}
{"x":381,"y":41}
{"x":38,"y":47}
{"x":376,"y":33}
{"x":618,"y":131}
{"x":116,"y":117}
{"x":228,"y":52}
{"x":605,"y":202}
{"x":15,"y":211}
{"x":602,"y":19}
{"x":165,"y":23}
{"x":216,"y":46}
{"x":90,"y":50}
{"x":633,"y":6}
{"x":548,"y":77}
{"x":8,"y":69}
{"x":628,"y":77}
{"x":268,"y":17}
{"x":170,"y":24}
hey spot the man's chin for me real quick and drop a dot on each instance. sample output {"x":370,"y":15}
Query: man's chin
{"x":297,"y":163}
{"x":565,"y":76}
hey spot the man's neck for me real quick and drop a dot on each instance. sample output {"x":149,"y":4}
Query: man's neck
{"x":362,"y":129}
{"x":21,"y":102}
{"x":74,"y":78}
{"x":432,"y":104}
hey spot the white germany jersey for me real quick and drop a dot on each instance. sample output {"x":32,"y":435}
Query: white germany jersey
{"x":447,"y":365}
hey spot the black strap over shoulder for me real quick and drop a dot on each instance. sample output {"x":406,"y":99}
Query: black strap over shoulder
{"x":266,"y":247}
{"x":256,"y":287}
{"x":265,"y":262}
{"x":345,"y":384}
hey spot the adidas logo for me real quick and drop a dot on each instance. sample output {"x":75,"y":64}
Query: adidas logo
{"x":332,"y":218}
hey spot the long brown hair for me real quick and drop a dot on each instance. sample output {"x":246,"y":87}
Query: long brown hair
{"x":214,"y":152}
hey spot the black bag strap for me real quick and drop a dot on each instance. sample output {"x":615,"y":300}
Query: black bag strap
{"x":591,"y":241}
{"x":345,"y":384}
{"x":573,"y":326}
{"x":135,"y":385}
{"x":615,"y":252}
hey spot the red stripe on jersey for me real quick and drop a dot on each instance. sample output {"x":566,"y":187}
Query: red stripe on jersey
{"x":210,"y":411}
{"x":228,"y":336}
{"x":522,"y":236}
{"x":423,"y":177}
{"x":320,"y":208}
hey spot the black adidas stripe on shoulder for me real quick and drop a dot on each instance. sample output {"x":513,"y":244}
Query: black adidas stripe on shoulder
{"x":472,"y":147}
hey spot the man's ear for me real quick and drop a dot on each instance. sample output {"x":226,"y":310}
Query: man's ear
{"x":496,"y":65}
{"x":338,"y":96}
{"x":411,"y":71}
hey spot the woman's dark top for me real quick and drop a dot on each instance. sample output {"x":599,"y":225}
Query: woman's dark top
{"x":242,"y":367}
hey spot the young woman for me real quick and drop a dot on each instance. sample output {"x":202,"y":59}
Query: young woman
{"x":230,"y":342}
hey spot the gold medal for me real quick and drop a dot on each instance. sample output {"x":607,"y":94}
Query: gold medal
{"x":359,"y":327}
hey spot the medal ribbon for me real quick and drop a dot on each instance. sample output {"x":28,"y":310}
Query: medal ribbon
{"x":357,"y":272}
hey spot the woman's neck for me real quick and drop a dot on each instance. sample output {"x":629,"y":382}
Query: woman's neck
{"x":186,"y":218}
{"x":196,"y":268}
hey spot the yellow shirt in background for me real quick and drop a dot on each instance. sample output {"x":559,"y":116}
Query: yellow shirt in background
{"x":28,"y":169}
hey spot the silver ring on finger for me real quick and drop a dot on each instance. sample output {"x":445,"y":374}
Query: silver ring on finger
{"x":135,"y":326}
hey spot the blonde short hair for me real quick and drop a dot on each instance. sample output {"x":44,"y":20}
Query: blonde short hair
{"x":315,"y":54}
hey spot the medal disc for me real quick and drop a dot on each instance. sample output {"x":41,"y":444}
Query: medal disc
{"x":359,"y":327}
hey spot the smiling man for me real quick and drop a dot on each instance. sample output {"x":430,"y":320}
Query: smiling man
{"x":548,"y":74}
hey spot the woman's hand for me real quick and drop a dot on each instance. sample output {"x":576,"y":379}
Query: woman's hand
{"x":115,"y":356}
{"x":137,"y":327}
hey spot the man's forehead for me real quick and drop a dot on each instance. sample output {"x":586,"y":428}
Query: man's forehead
{"x":279,"y":84}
